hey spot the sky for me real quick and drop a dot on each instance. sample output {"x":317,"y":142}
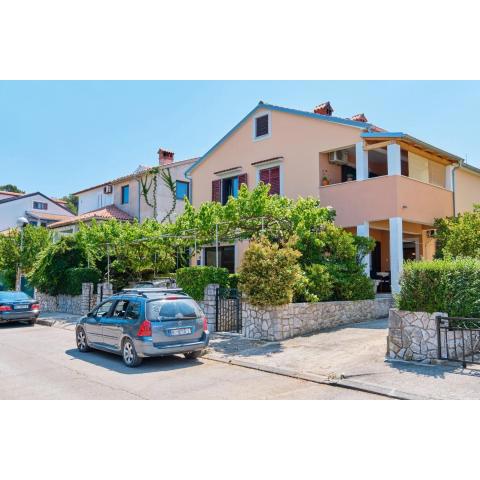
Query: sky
{"x":59,"y":137}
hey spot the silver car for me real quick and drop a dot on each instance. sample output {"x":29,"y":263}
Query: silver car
{"x":150,"y":322}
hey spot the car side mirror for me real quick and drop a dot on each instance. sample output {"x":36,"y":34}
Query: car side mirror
{"x":90,"y":314}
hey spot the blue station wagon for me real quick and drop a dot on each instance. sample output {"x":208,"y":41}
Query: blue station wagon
{"x":150,"y":322}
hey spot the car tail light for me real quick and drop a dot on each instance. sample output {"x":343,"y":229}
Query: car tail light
{"x":5,"y":308}
{"x":35,"y":306}
{"x":172,"y":298}
{"x":205,"y":324}
{"x":145,"y":329}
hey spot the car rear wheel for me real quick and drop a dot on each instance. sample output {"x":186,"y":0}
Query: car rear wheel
{"x":195,"y":354}
{"x":82,"y":340}
{"x":32,"y":322}
{"x":129,"y":354}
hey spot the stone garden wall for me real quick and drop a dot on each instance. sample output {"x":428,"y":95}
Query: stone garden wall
{"x":413,"y":336}
{"x":286,"y":321}
{"x":74,"y":304}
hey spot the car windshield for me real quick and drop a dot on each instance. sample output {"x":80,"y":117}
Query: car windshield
{"x":173,"y":309}
{"x":13,"y":296}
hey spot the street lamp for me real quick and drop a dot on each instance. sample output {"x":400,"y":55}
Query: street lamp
{"x":21,"y":222}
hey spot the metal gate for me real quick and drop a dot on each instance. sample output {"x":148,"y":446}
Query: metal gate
{"x":228,"y":310}
{"x":459,"y":339}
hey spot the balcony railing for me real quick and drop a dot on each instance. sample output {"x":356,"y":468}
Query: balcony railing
{"x":385,"y":197}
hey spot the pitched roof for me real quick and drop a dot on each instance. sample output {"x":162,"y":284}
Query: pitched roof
{"x":13,"y":199}
{"x":104,"y":213}
{"x":48,"y":216}
{"x":141,"y":170}
{"x":12,"y":194}
{"x":326,"y":118}
{"x":413,"y":141}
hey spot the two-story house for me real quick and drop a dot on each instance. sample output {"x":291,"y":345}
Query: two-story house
{"x":133,"y":196}
{"x":387,"y":185}
{"x":36,"y":207}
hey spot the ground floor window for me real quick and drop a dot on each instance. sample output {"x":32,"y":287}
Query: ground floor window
{"x":226,"y":257}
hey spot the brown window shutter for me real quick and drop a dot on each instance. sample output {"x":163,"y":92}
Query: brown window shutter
{"x":242,"y":179}
{"x":275,"y":181}
{"x":217,"y":191}
{"x":265,"y":175}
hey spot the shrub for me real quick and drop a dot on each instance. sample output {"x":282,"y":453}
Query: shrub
{"x":74,"y":277}
{"x":350,"y":283}
{"x":269,"y":273}
{"x":233,"y":280}
{"x":193,"y":280}
{"x":451,"y":286}
{"x":320,"y":283}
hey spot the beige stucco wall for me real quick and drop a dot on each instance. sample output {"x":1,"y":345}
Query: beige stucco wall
{"x":299,"y":140}
{"x":467,"y":190}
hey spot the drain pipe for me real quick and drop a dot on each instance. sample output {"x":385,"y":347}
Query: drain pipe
{"x":454,"y":189}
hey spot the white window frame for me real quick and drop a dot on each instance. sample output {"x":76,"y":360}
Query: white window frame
{"x":254,"y":124}
{"x":265,"y":165}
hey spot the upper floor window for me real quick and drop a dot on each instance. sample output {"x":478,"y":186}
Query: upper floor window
{"x":181,"y":190}
{"x":224,"y":188}
{"x":40,"y":205}
{"x":261,"y":126}
{"x":125,"y":194}
{"x":271,"y":176}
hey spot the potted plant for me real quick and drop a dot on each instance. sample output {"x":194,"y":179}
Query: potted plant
{"x":325,"y":181}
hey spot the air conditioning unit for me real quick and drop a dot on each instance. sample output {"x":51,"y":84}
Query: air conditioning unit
{"x":339,"y":157}
{"x":108,"y":189}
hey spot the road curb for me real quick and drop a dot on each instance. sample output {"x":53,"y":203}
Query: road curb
{"x":322,"y":379}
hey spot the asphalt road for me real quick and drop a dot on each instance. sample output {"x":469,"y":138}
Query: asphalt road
{"x":38,"y":362}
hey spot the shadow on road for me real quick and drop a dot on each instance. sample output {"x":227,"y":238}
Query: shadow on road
{"x":12,"y":325}
{"x":115,"y":363}
{"x":432,"y":371}
{"x":244,"y":347}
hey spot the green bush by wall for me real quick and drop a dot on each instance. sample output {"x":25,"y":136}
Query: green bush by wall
{"x":269,"y":273}
{"x":74,"y":277}
{"x":193,"y":280}
{"x":451,"y":286}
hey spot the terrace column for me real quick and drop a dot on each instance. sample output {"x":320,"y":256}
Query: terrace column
{"x":361,"y":161}
{"x":363,"y":230}
{"x":393,"y":159}
{"x":396,"y":252}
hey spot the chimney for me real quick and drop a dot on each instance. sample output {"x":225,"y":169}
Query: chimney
{"x":324,"y":109}
{"x":165,"y":157}
{"x":359,"y":117}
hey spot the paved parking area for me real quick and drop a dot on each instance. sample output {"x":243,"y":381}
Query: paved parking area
{"x":355,"y":355}
{"x":40,"y":362}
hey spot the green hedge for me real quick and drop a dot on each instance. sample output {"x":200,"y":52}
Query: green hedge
{"x":193,"y":280}
{"x":74,"y":277}
{"x":451,"y":286}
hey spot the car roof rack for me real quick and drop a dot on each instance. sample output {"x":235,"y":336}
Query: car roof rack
{"x":142,"y":291}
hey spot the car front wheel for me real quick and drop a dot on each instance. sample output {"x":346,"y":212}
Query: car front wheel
{"x":129,"y":354}
{"x":82,"y":340}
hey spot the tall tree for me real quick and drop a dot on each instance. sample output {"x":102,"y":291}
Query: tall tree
{"x":10,"y":188}
{"x":72,"y":202}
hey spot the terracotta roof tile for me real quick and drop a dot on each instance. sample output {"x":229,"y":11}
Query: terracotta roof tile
{"x":104,"y":213}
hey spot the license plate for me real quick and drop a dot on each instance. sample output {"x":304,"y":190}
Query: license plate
{"x":180,"y":331}
{"x":20,"y":307}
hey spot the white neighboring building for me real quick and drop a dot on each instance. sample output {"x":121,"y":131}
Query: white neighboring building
{"x":125,"y":192}
{"x":36,"y":207}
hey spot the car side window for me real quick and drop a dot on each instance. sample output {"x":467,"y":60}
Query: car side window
{"x":133,"y":311}
{"x":120,"y":309}
{"x":103,"y":309}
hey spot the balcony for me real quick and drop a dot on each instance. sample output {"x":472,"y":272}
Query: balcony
{"x":386,"y":197}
